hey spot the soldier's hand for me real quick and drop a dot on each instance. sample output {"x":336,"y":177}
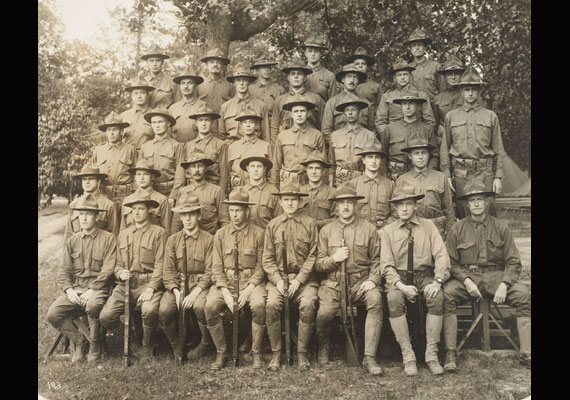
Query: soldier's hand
{"x":72,"y":296}
{"x":84,"y":298}
{"x":450,"y":183}
{"x":176,"y":293}
{"x":124,"y":274}
{"x":146,"y":295}
{"x":341,"y":254}
{"x":410,"y":291}
{"x":497,"y":185}
{"x":279,"y":287}
{"x":472,"y":288}
{"x":228,"y":299}
{"x":501,"y":293}
{"x":365,"y":287}
{"x":293,"y":287}
{"x":244,"y":295}
{"x":431,"y":290}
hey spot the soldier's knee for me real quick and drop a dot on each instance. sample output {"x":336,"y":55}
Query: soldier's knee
{"x":166,"y":315}
{"x":54,"y":317}
{"x":94,"y":307}
{"x":396,"y":303}
{"x":373,"y":300}
{"x":435,"y":304}
{"x":325,"y":314}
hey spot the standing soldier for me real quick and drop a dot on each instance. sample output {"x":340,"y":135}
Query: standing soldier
{"x":114,"y":159}
{"x":215,"y":90}
{"x":165,"y":90}
{"x":317,"y":205}
{"x":388,"y":111}
{"x":399,"y":133}
{"x":356,"y":241}
{"x":369,"y":90}
{"x":346,"y":142}
{"x":295,"y":144}
{"x":264,"y":88}
{"x":139,"y":130}
{"x":484,"y":262}
{"x":199,"y":244}
{"x":241,"y":80}
{"x":472,"y":146}
{"x":437,"y":204}
{"x":185,"y":128}
{"x":431,"y":269}
{"x":249,"y":239}
{"x":89,"y":257}
{"x":164,"y":152}
{"x":301,"y":249}
{"x":425,"y":77}
{"x":91,"y":179}
{"x":322,"y":80}
{"x":139,"y":259}
{"x":144,"y":175}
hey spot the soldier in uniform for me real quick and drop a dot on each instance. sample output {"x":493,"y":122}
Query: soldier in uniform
{"x":301,"y":247}
{"x":295,"y":144}
{"x":346,"y":142}
{"x":139,"y":259}
{"x":431,"y":269}
{"x":264,"y":88}
{"x":139,"y":130}
{"x":472,"y":146}
{"x":484,"y":262}
{"x":317,"y":205}
{"x":425,"y":77}
{"x":361,"y":250}
{"x":164,"y":152}
{"x":114,"y":158}
{"x":144,"y":174}
{"x":321,"y":81}
{"x":185,"y":128}
{"x":213,"y":213}
{"x":199,"y":244}
{"x":89,"y":257}
{"x":437,"y":204}
{"x":215,"y":90}
{"x":388,"y":111}
{"x":241,"y":79}
{"x":91,"y":179}
{"x":165,"y":91}
{"x":249,"y":239}
{"x":399,"y":133}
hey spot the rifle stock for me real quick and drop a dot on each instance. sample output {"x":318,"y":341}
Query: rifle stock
{"x":127,"y":316}
{"x":286,"y":304}
{"x":181,"y":312}
{"x":351,"y":346}
{"x":235,"y":324}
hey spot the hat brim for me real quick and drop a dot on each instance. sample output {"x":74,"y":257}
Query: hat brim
{"x":148,"y":116}
{"x":467,"y":195}
{"x":238,"y":203}
{"x":429,"y":147}
{"x":369,"y":60}
{"x":306,"y":70}
{"x":121,"y":125}
{"x":289,"y":106}
{"x":470,"y":84}
{"x":416,"y":99}
{"x":99,"y":175}
{"x":147,"y":56}
{"x":197,"y":78}
{"x":382,"y":153}
{"x":269,"y":64}
{"x":407,"y":197}
{"x":243,"y":163}
{"x":306,"y":163}
{"x":147,"y":88}
{"x":224,"y":60}
{"x":425,"y":40}
{"x":185,"y":209}
{"x":451,"y":69}
{"x":207,"y":161}
{"x":346,"y":197}
{"x":242,"y":117}
{"x":361,"y":105}
{"x":361,"y":76}
{"x":409,"y":69}
{"x":299,"y":194}
{"x":314,"y":45}
{"x":133,"y":170}
{"x":96,"y":210}
{"x":211,"y":115}
{"x":251,"y":78}
{"x":150,"y":203}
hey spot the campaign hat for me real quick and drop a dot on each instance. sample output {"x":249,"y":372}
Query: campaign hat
{"x":240,"y":71}
{"x":418,"y":143}
{"x":244,"y":163}
{"x":90,"y":169}
{"x":297,"y":64}
{"x":346,"y":192}
{"x":141,"y":196}
{"x":315,"y":156}
{"x":217,"y":54}
{"x":204,"y":110}
{"x":451,"y":64}
{"x":374,"y":148}
{"x":351,"y":69}
{"x":113,"y":119}
{"x":418,"y":36}
{"x":361,"y":53}
{"x":248,"y":113}
{"x":262,"y":61}
{"x":139,"y":83}
{"x":188,"y":73}
{"x":402,"y":65}
{"x":290,"y":188}
{"x":188,"y":202}
{"x":409,"y":95}
{"x":195,"y":157}
{"x":470,"y":77}
{"x":87,"y":202}
{"x":476,"y":186}
{"x":144,"y":164}
{"x":298,"y":100}
{"x":238,"y":196}
{"x":315,"y":40}
{"x":361,"y":105}
{"x":154,"y":51}
{"x":163,"y":112}
{"x":405,"y":192}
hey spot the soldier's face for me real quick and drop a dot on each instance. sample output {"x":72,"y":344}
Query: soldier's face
{"x":313,"y":54}
{"x":114,"y":134}
{"x":140,"y":212}
{"x":296,"y":78}
{"x":238,"y":214}
{"x":154,"y":64}
{"x":190,"y":220}
{"x":351,"y":113}
{"x":247,"y":126}
{"x":256,"y":170}
{"x":419,"y":157}
{"x":409,"y":108}
{"x":204,"y":124}
{"x":187,"y":86}
{"x":402,"y":78}
{"x":214,"y":66}
{"x":314,"y":172}
{"x":159,"y":124}
{"x":452,"y":77}
{"x":406,"y":209}
{"x":264,"y":72}
{"x":470,"y":94}
{"x":289,"y":204}
{"x":299,"y":114}
{"x":241,"y":85}
{"x":139,"y":96}
{"x":197,"y":170}
{"x":361,"y":65}
{"x":417,"y":49}
{"x":350,"y":81}
{"x":372,"y":162}
{"x":143,"y":179}
{"x":89,"y":183}
{"x":477,"y":204}
{"x":87,"y":219}
{"x":346,"y":208}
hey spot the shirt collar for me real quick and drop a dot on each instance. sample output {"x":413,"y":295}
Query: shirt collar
{"x":142,"y":110}
{"x":192,"y":101}
{"x":149,"y":190}
{"x":205,"y":139}
{"x":212,"y":79}
{"x":424,"y":173}
{"x":292,"y":92}
{"x":296,"y":128}
{"x":368,"y":179}
{"x":157,"y":139}
{"x":245,"y":99}
{"x":343,"y":226}
{"x":467,"y":107}
{"x":317,"y":68}
{"x":200,"y":185}
{"x":406,"y":123}
{"x":245,"y":140}
{"x":475,"y":223}
{"x":296,"y":216}
{"x":354,"y":130}
{"x":142,"y":228}
{"x":157,"y":77}
{"x":193,"y":236}
{"x":119,"y":145}
{"x":245,"y":229}
{"x":92,"y":235}
{"x":414,"y":221}
{"x":249,"y":186}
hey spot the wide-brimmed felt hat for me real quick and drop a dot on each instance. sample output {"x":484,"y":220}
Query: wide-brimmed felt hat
{"x":154,"y":51}
{"x":249,"y":113}
{"x":188,"y":73}
{"x":409,"y":95}
{"x":245,"y":162}
{"x":359,"y":103}
{"x":144,"y":164}
{"x":262,"y":61}
{"x":204,"y":110}
{"x":297,"y":64}
{"x":470,"y":77}
{"x":241,"y":71}
{"x":315,"y":40}
{"x":290,"y":188}
{"x":141,"y":196}
{"x":418,"y":36}
{"x":195,"y":157}
{"x":361,"y":53}
{"x":217,"y":54}
{"x":238,"y":196}
{"x":476,"y":186}
{"x":374,"y":148}
{"x":405,"y":192}
{"x":188,"y":202}
{"x":402,"y":65}
{"x":87,"y":202}
{"x":346,"y":192}
{"x":315,"y":156}
{"x":298,"y":100}
{"x":451,"y":64}
{"x":113,"y":119}
{"x":418,"y":143}
{"x":350,"y":69}
{"x":163,"y":112}
{"x":90,"y":169}
{"x":138,"y":83}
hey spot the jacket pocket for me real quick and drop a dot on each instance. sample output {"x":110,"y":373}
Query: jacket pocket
{"x":467,"y":253}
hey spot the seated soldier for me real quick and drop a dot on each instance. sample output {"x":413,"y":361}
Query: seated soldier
{"x":431,"y":269}
{"x":356,"y":241}
{"x":197,"y":244}
{"x":88,"y":260}
{"x":251,"y":277}
{"x":484,"y":262}
{"x":139,"y":259}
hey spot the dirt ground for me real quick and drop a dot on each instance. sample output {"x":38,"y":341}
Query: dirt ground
{"x":479,"y":376}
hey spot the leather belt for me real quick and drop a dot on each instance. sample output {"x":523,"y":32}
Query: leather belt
{"x":482,"y":268}
{"x":475,"y":165}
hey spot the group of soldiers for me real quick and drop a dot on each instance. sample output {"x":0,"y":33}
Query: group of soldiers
{"x":329,"y":172}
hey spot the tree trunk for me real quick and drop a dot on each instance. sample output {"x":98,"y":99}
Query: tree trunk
{"x":219,"y":30}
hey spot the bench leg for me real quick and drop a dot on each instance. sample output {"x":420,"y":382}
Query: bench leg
{"x":486,"y":338}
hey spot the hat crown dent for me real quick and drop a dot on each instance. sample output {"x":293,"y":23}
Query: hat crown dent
{"x":90,"y":168}
{"x":249,"y":112}
{"x":471,"y":76}
{"x":239,"y":194}
{"x":316,"y":40}
{"x":113,"y":118}
{"x":315,"y":156}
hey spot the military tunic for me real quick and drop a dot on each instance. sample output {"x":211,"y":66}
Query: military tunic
{"x":426,"y":77}
{"x":139,"y":131}
{"x":239,"y":150}
{"x":317,"y":205}
{"x":185,"y":128}
{"x":372,"y":92}
{"x":158,"y":216}
{"x":374,"y":207}
{"x":107,"y":220}
{"x":266,"y":93}
{"x":266,"y":205}
{"x":165,"y":92}
{"x":166,"y":155}
{"x":234,"y":107}
{"x":215,"y":92}
{"x":322,"y":82}
{"x":334,"y":120}
{"x":115,"y":161}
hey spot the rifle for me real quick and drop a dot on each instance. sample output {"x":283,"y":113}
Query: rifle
{"x":127,"y":316}
{"x":181,"y":311}
{"x":351,"y":346}
{"x":415,"y":311}
{"x":288,"y":358}
{"x":235,"y":324}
